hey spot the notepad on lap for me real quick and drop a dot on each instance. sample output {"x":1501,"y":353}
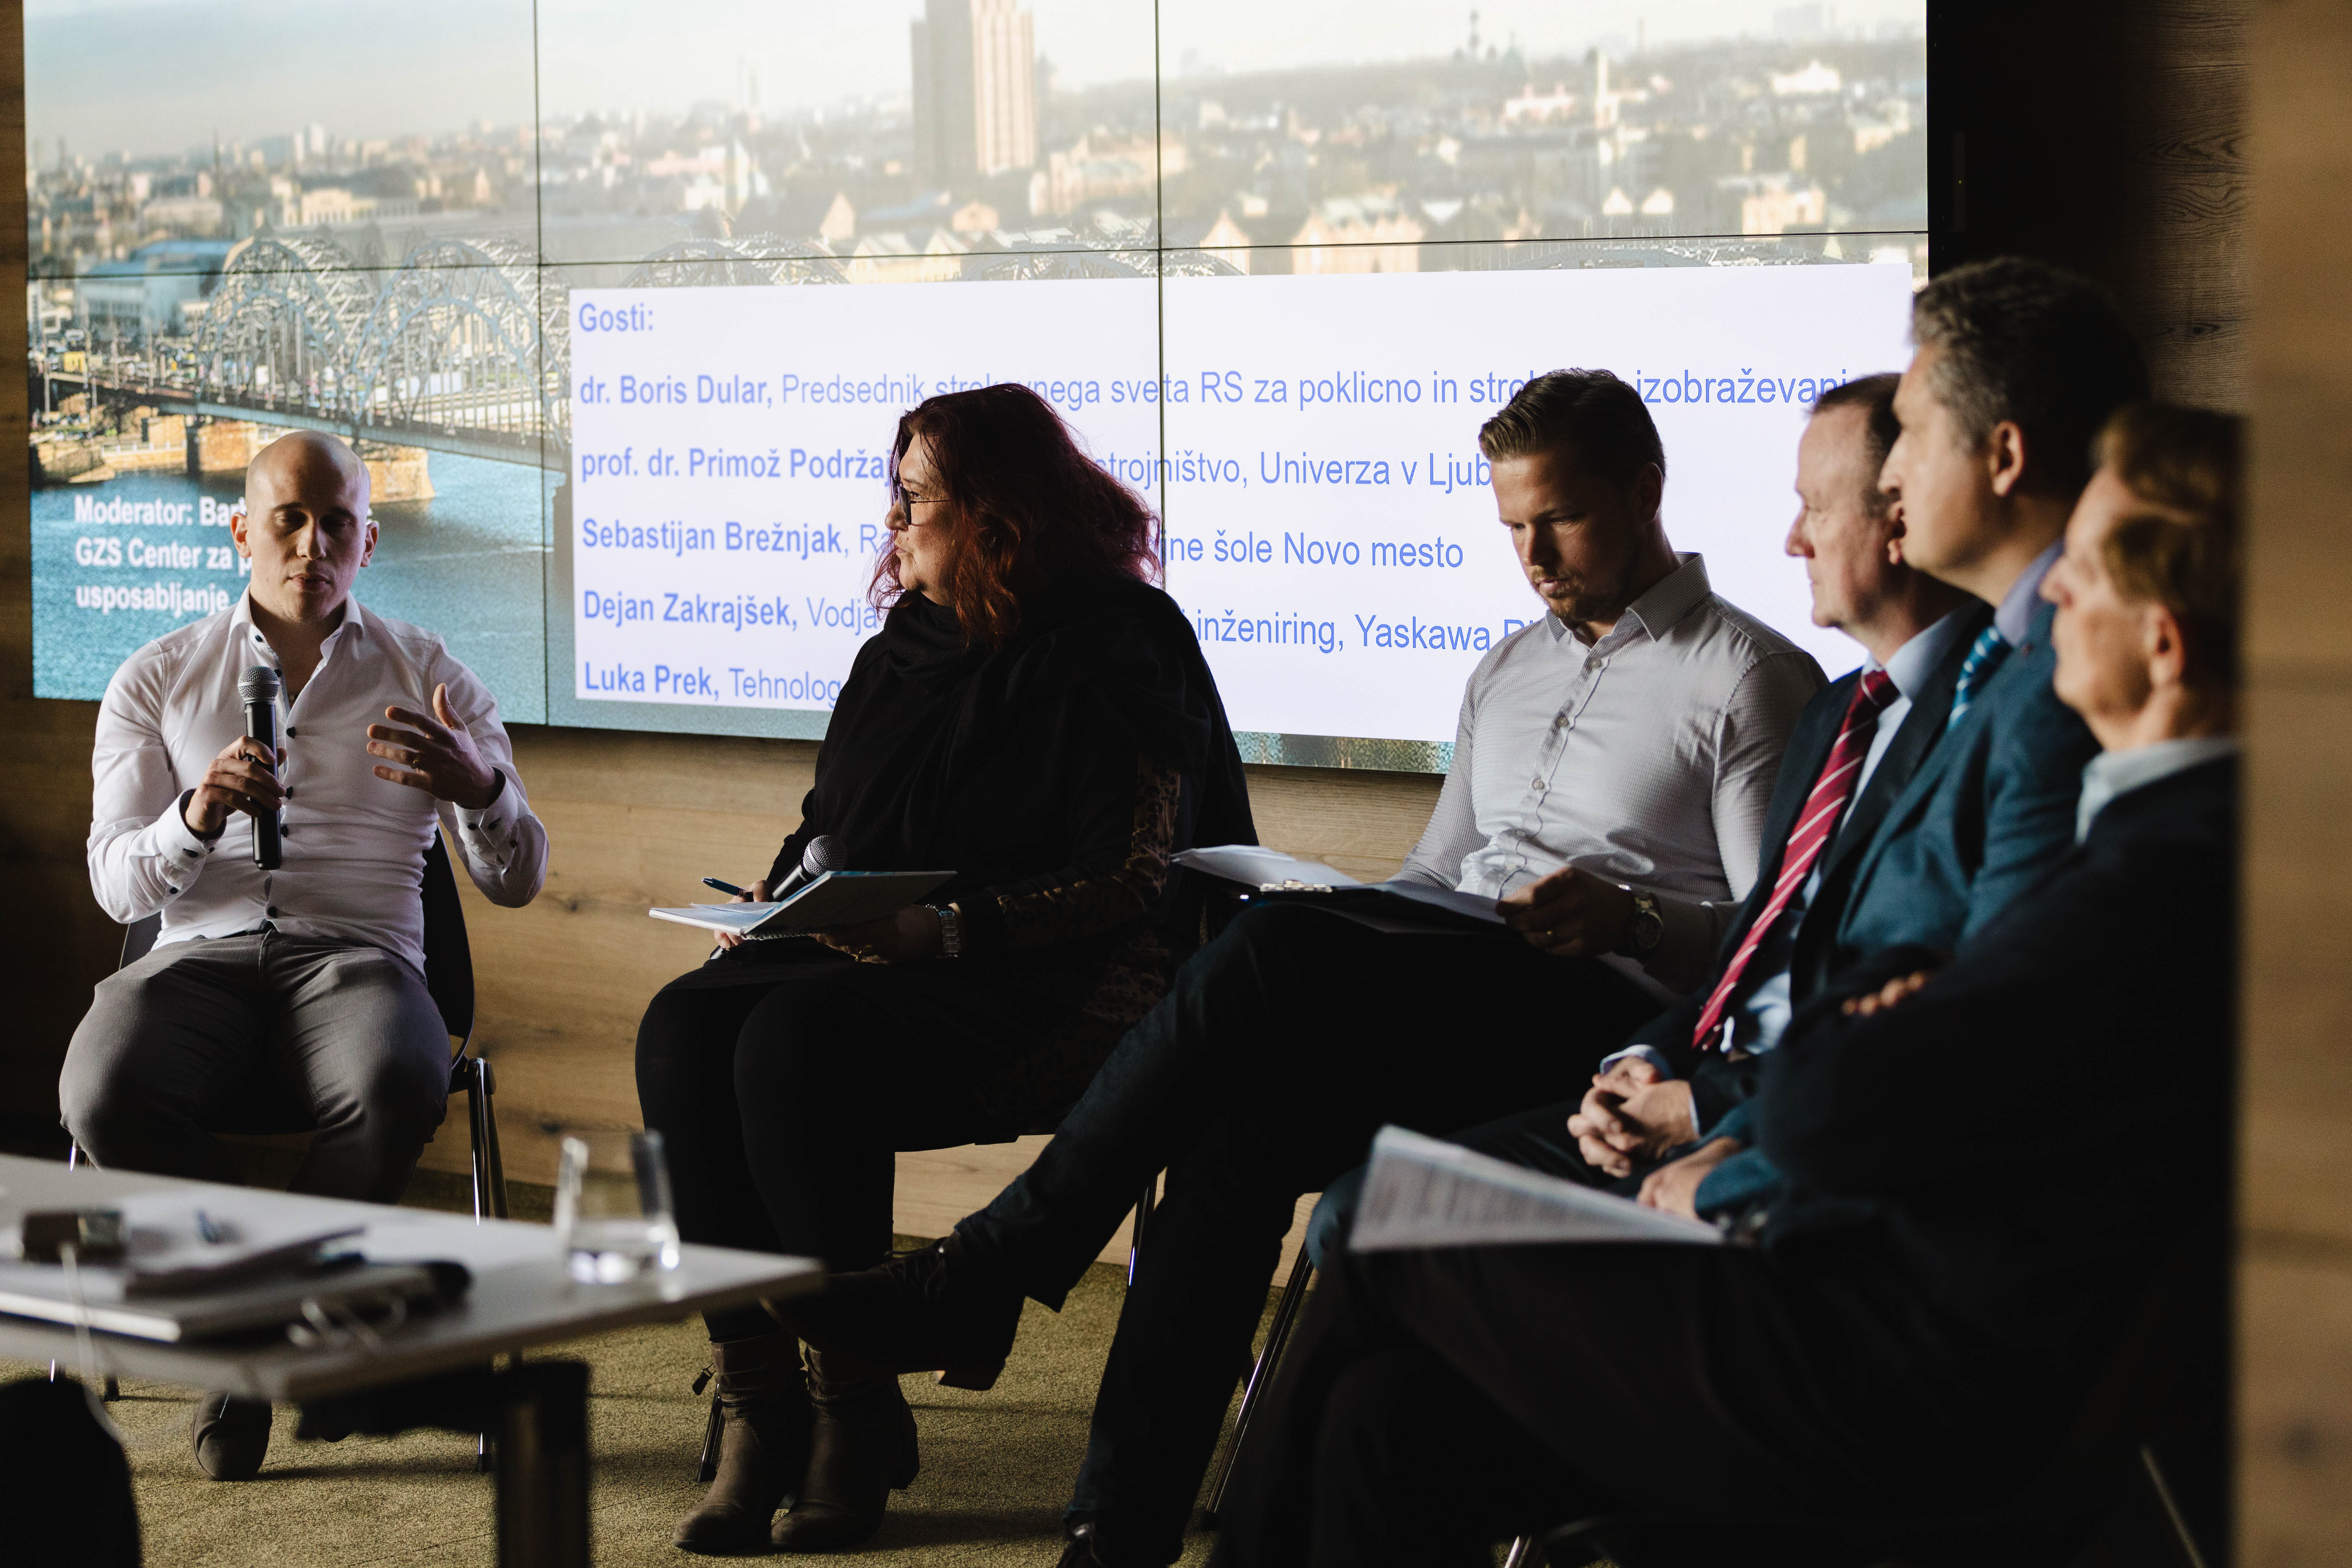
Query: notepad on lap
{"x":1423,"y":1192}
{"x":1397,"y":906}
{"x":832,"y":901}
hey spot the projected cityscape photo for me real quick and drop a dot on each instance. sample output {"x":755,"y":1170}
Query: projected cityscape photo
{"x":1276,"y":263}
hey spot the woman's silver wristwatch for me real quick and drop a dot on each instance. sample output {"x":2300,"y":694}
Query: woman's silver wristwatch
{"x":951,"y":929}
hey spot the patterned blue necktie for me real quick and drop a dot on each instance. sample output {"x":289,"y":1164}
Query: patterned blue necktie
{"x":1984,"y":656}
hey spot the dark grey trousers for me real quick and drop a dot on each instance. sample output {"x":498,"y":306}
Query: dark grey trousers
{"x":195,"y":1029}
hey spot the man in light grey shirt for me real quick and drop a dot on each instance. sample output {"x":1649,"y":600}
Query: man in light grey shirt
{"x":1644,"y":757}
{"x":1614,"y":762}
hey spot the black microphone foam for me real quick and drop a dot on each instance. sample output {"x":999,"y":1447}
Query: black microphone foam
{"x":816,"y":859}
{"x":258,"y":688}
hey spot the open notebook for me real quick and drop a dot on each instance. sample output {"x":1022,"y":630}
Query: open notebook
{"x":1396,"y":906}
{"x":832,"y":901}
{"x":1423,"y":1192}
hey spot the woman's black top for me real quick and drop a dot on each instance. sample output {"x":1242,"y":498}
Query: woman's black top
{"x":1055,"y":776}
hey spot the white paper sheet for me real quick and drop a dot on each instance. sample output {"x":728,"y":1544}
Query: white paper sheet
{"x":1422,"y":1192}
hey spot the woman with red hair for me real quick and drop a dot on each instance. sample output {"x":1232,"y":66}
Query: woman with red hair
{"x":1037,"y":716}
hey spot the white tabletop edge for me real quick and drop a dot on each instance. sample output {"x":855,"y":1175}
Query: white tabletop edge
{"x":519,"y":1307}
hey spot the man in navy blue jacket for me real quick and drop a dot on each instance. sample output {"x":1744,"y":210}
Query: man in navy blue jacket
{"x":1945,"y":1259}
{"x":2018,"y":366}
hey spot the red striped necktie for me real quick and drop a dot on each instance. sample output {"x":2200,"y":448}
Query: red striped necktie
{"x":1815,"y":824}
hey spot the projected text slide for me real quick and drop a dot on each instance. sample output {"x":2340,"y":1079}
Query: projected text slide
{"x":1312,"y":439}
{"x":1330,"y":527}
{"x":730,"y":452}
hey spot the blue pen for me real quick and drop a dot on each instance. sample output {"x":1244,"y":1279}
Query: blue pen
{"x":210,"y":1228}
{"x":728,"y":887}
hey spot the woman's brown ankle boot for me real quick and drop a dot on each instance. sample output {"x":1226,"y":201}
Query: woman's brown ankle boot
{"x":861,"y":1450}
{"x":763,"y":1444}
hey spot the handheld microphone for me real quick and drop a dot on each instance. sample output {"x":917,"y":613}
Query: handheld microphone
{"x":258,"y":687}
{"x":819,"y":857}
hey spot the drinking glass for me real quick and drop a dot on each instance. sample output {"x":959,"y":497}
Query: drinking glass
{"x":612,"y":1207}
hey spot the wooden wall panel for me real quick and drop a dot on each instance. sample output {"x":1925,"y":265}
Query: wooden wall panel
{"x":53,"y":942}
{"x":2181,"y":253}
{"x":2295,"y":1285}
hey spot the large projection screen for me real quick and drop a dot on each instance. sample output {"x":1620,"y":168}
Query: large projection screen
{"x":621,"y":303}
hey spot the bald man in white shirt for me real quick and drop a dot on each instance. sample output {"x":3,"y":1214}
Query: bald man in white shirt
{"x":311,"y":972}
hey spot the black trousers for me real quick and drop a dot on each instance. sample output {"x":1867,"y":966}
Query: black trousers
{"x":1538,"y":1139}
{"x":784,"y":1080}
{"x":1436,"y":1402}
{"x":1281,"y":1048}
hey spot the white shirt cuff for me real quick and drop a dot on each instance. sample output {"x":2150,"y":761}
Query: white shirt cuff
{"x":490,"y":832}
{"x":1647,"y":1053}
{"x":176,"y":840}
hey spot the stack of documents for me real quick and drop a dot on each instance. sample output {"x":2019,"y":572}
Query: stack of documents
{"x":187,"y":1273}
{"x":1423,"y":1192}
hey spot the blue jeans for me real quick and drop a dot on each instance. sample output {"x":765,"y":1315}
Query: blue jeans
{"x":1281,"y":1048}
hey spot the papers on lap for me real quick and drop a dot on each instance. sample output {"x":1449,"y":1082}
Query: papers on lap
{"x":1413,"y":908}
{"x":835,"y":899}
{"x":1422,"y":1192}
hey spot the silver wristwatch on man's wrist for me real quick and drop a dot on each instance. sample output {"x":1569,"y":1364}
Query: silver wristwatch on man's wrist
{"x":1645,"y":929}
{"x":951,"y":929}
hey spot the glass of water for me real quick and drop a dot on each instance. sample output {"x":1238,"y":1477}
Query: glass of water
{"x":612,"y":1206}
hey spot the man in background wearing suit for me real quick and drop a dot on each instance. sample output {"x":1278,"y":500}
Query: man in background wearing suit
{"x":2019,"y":365}
{"x":1855,"y":748}
{"x":1945,"y":1260}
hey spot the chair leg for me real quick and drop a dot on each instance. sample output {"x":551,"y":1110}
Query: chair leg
{"x":1143,"y":1207}
{"x":482,"y":1123}
{"x":2189,"y":1557}
{"x":490,"y":1127}
{"x":706,"y":1470}
{"x":1278,"y":1335}
{"x":480,"y":1156}
{"x":113,"y":1391}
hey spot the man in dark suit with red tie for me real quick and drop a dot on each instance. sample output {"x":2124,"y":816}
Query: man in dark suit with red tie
{"x":1856,"y":747}
{"x":1943,"y":1260}
{"x":1963,"y":807}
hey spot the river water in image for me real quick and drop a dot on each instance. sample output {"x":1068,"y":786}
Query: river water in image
{"x":471,"y":563}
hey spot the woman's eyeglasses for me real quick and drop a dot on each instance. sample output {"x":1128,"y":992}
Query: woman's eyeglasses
{"x":903,"y":499}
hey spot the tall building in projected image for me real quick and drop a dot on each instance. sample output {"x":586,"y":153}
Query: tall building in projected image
{"x":975,"y":91}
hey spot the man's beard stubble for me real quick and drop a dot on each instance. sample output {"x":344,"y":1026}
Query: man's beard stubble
{"x":1586,"y":605}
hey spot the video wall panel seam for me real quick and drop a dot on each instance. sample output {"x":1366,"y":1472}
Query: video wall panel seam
{"x":1353,"y":257}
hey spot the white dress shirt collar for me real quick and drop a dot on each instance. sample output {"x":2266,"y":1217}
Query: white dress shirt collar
{"x":2013,"y":617}
{"x":1917,"y":660}
{"x":1660,"y":607}
{"x":2113,"y":774}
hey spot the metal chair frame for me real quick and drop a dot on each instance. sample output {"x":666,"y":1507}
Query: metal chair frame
{"x":449,"y":977}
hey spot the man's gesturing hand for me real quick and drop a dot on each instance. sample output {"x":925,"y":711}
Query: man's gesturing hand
{"x":242,"y":778}
{"x":1572,"y":912}
{"x":435,"y":755}
{"x":1632,"y":1112}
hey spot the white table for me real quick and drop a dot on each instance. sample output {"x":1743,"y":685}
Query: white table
{"x":431,"y":1371}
